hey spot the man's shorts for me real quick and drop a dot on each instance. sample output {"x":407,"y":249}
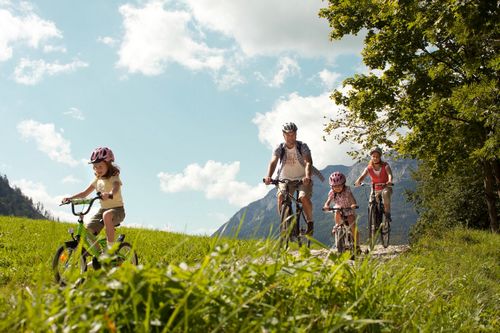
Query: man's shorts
{"x":96,"y":223}
{"x":304,"y":190}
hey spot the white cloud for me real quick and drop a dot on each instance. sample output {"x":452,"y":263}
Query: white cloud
{"x":271,"y":27}
{"x":71,"y":180}
{"x":38,"y":193}
{"x":75,"y":113}
{"x":155,"y":36}
{"x":329,"y":79}
{"x":286,"y":67}
{"x":52,"y":48}
{"x":23,"y":29}
{"x":31,"y":72}
{"x":107,"y":40}
{"x":310,"y":114}
{"x":48,"y":140}
{"x":216,"y":180}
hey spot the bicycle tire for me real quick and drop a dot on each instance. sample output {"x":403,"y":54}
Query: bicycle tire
{"x":385,"y":233}
{"x":126,"y":253}
{"x":340,"y":239}
{"x":284,"y":234}
{"x":372,"y":223}
{"x":64,"y":263}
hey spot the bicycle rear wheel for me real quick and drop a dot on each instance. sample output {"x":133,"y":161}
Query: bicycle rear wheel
{"x":125,"y":253}
{"x":67,"y":263}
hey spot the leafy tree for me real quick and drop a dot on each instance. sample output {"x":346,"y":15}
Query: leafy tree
{"x":453,"y":200}
{"x":432,"y":90}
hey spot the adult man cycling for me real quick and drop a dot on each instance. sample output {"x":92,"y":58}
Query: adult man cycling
{"x":296,"y":164}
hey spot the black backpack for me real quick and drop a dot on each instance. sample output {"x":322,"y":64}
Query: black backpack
{"x":282,"y":147}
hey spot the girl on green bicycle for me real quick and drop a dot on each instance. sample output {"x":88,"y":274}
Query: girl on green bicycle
{"x":107,"y":182}
{"x":341,"y":196}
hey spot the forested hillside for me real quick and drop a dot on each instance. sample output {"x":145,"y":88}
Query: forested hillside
{"x":14,"y":203}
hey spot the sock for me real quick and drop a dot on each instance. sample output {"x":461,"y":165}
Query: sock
{"x":110,"y":244}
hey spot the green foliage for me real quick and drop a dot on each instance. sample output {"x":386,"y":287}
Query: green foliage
{"x":255,"y":288}
{"x":444,"y":202}
{"x":434,"y":73}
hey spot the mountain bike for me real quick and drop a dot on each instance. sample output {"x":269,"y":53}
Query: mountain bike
{"x":290,"y":221}
{"x":377,"y":221}
{"x":344,"y":239}
{"x":84,"y":249}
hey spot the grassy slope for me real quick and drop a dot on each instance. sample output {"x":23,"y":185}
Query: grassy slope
{"x":448,"y":284}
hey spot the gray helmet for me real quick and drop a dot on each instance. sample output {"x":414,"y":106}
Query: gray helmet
{"x":289,"y":127}
{"x":376,"y":149}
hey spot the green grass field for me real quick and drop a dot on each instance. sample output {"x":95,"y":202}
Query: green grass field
{"x":448,"y":283}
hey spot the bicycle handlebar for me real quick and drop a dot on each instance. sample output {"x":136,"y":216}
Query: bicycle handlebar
{"x":277,"y":181}
{"x":334,"y":209}
{"x":376,"y":184}
{"x":85,"y":201}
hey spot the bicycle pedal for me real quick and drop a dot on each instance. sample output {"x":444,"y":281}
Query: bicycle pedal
{"x":95,"y":263}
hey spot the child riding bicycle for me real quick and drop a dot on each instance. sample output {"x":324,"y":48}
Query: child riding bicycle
{"x":108,"y":183}
{"x":380,"y":173}
{"x":341,"y":196}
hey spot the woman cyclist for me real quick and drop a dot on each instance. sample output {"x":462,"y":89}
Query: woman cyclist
{"x":380,"y":173}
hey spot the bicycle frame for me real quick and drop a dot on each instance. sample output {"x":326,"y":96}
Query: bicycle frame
{"x":82,"y":234}
{"x":376,"y":216}
{"x":296,"y":232}
{"x":344,"y":238}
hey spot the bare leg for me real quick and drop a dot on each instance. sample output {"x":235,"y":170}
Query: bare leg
{"x":107,"y":217}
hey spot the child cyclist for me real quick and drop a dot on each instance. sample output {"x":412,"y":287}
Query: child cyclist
{"x":341,"y":196}
{"x":107,"y":182}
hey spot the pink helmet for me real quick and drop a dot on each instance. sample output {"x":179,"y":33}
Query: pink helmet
{"x":102,"y":154}
{"x":337,"y":178}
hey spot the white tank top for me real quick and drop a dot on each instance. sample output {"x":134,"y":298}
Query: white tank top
{"x":292,"y":169}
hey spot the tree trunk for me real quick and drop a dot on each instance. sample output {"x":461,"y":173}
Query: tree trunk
{"x":496,"y":172}
{"x":489,"y":185}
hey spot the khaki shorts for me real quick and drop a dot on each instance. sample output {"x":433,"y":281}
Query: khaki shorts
{"x":386,"y":195}
{"x":96,"y":223}
{"x":304,"y":190}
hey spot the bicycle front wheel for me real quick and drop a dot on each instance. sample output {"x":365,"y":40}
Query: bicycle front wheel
{"x":285,"y":221}
{"x":385,"y":232}
{"x":340,"y":240}
{"x":372,"y":224}
{"x":67,"y":264}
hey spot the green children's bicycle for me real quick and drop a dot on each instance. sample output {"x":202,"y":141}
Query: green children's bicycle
{"x":74,"y":257}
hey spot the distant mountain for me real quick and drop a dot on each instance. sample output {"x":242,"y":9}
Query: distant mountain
{"x":261,"y":217}
{"x":14,"y":203}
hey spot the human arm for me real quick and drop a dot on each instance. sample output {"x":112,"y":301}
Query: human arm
{"x":389,"y":173}
{"x":270,"y":169}
{"x":352,"y":200}
{"x":360,"y":178}
{"x":308,"y":169}
{"x":115,"y":189}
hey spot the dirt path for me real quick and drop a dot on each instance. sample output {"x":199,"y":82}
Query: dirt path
{"x":378,"y":251}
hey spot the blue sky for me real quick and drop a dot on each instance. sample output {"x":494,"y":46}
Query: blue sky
{"x":189,"y":94}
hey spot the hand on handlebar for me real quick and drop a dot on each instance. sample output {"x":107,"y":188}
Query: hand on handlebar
{"x":267,"y":180}
{"x":65,"y":201}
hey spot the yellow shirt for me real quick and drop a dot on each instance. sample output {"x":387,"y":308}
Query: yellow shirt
{"x":106,"y":185}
